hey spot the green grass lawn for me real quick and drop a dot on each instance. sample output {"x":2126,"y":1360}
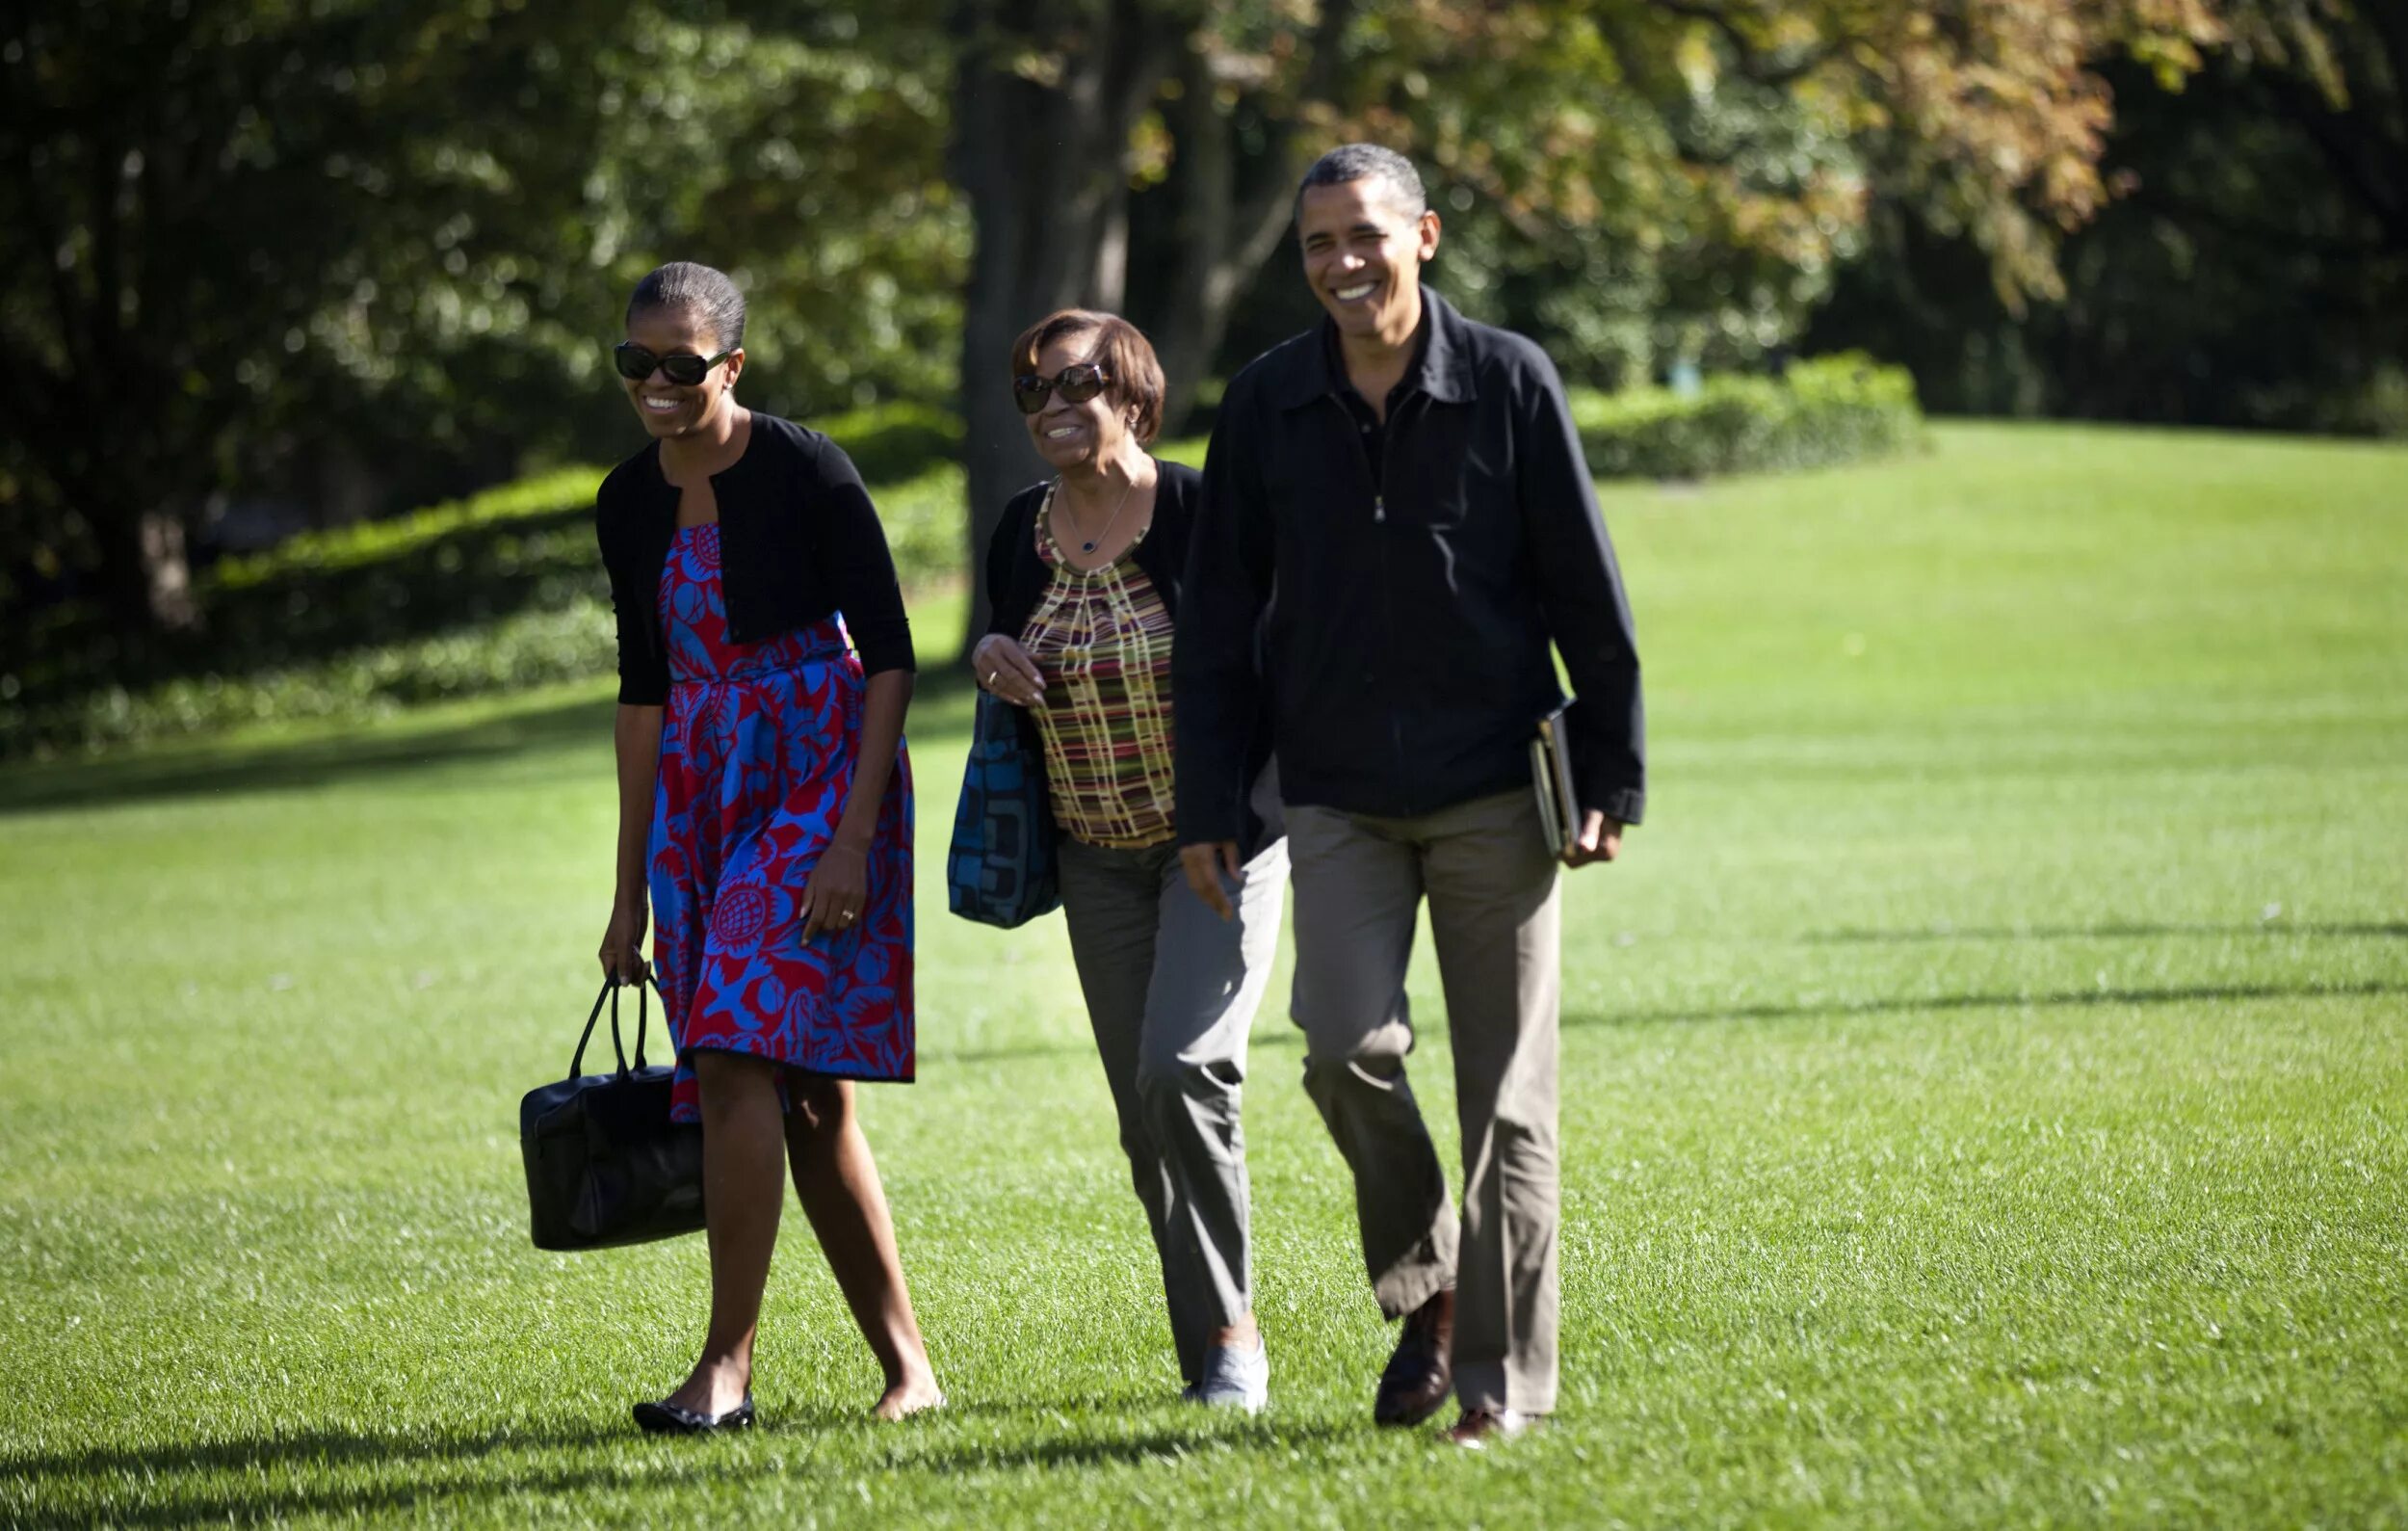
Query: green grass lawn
{"x":1986,"y":1085}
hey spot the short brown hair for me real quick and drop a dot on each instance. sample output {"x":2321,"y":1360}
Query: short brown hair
{"x":1133,"y":373}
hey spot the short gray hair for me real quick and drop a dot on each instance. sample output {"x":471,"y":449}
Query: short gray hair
{"x":1349,"y":163}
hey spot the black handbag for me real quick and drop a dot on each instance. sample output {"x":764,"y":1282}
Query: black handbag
{"x":605,"y":1165}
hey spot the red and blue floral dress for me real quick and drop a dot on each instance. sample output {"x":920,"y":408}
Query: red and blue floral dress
{"x":757,"y":750}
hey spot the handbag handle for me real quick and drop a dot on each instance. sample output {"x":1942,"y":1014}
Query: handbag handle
{"x":618,"y":1046}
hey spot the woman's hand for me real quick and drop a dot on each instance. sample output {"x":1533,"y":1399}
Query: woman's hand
{"x":1005,"y":668}
{"x":838,"y":890}
{"x":622,"y":943}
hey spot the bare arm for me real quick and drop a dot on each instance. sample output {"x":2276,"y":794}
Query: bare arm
{"x":862,"y":570}
{"x":636,"y":737}
{"x":840,"y":883}
{"x":882,"y":706}
{"x":637,"y":734}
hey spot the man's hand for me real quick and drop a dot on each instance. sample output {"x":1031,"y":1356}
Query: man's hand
{"x":1206,"y":865}
{"x":1601,"y":840}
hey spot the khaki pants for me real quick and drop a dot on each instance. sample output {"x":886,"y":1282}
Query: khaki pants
{"x":1494,"y":912}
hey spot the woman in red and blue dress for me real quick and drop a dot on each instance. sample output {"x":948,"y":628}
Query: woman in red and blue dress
{"x":764,"y":822}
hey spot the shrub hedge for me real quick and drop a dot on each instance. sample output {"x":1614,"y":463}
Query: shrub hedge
{"x":1830,"y":410}
{"x":498,"y":590}
{"x":504,"y":590}
{"x":528,"y":648}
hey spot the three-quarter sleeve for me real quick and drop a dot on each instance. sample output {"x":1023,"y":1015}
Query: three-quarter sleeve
{"x":643,"y":668}
{"x":1003,"y":554}
{"x":860,"y":569}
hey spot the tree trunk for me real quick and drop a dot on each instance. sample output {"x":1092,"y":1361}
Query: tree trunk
{"x":168,"y":572}
{"x":1232,"y":208}
{"x":1223,"y":237}
{"x":1045,"y":164}
{"x":1204,"y":179}
{"x":143,"y":579}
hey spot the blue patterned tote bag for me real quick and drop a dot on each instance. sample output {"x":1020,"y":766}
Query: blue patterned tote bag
{"x":999,"y":870}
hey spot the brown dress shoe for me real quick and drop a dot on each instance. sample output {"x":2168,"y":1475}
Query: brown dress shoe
{"x":1480,"y":1428}
{"x":1422,"y":1370}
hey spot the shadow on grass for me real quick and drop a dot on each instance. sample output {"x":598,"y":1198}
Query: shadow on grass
{"x":158,"y":1502}
{"x":1288,"y":1037}
{"x":2101,"y":933}
{"x":305,"y":1448}
{"x":369,"y":751}
{"x":2077,"y":998}
{"x":268,"y":1463}
{"x":372,"y":750}
{"x":1149,"y":1446}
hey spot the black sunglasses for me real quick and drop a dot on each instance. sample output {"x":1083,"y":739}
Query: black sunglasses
{"x":1077,"y":383}
{"x":683,"y":368}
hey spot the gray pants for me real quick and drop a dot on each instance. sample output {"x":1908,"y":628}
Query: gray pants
{"x":1171,"y":990}
{"x":1494,"y":912}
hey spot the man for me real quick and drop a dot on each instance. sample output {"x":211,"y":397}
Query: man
{"x":1410,"y":485}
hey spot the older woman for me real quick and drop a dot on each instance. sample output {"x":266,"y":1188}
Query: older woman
{"x":1084,"y":579}
{"x":765,"y":811}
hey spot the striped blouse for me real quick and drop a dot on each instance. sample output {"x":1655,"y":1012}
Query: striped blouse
{"x":1102,"y":640}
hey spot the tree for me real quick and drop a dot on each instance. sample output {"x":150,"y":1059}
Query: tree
{"x":136,"y":326}
{"x":2249,"y":272}
{"x":238,"y":232}
{"x":1047,"y":97}
{"x":1645,"y":177}
{"x":2336,"y":75}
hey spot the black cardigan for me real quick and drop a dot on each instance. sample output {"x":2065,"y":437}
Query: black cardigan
{"x":1016,"y":578}
{"x":799,"y":540}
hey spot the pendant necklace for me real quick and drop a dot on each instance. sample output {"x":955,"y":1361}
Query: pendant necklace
{"x":1089,"y":546}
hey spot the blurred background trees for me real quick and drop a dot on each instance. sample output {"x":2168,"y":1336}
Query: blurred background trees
{"x":269,"y":265}
{"x":2251,"y":271}
{"x":348,"y":257}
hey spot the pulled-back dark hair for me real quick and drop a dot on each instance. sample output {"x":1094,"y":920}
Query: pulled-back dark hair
{"x":685,"y":286}
{"x":1349,"y":163}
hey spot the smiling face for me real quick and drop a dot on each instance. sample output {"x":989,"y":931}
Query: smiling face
{"x":668,"y":411}
{"x":1067,"y":434}
{"x":1363,"y":253}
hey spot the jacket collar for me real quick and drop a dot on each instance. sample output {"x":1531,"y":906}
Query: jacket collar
{"x":1442,"y":368}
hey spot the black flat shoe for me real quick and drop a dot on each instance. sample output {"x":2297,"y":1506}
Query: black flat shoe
{"x":665,"y":1418}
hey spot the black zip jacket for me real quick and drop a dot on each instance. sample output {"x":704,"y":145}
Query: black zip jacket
{"x":799,"y":539}
{"x":1016,"y":578}
{"x":1409,"y":646}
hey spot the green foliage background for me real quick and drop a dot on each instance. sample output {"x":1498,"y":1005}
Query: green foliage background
{"x":502,"y":590}
{"x":265,"y":264}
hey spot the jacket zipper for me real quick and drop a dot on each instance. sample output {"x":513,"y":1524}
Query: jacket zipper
{"x":1387,"y":585}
